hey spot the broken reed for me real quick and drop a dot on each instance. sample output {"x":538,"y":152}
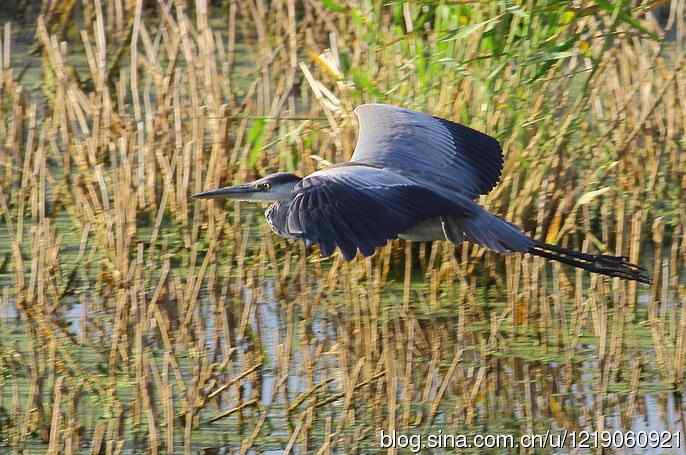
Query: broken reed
{"x":173,"y":338}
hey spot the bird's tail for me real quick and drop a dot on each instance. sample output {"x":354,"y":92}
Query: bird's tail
{"x":617,"y":266}
{"x":501,"y":236}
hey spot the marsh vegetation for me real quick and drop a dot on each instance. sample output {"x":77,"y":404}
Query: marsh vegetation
{"x":137,"y":320}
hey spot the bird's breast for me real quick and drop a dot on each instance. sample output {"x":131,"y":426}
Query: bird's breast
{"x":277,"y":219}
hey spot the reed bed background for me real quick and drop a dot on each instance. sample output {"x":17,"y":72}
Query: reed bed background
{"x":138,"y":320}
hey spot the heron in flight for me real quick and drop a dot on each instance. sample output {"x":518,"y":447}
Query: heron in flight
{"x":412,"y":176}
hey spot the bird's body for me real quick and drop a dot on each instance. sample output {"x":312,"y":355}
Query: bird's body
{"x":411,"y":176}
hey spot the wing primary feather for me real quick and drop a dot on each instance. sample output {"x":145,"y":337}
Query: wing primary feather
{"x":430,"y":150}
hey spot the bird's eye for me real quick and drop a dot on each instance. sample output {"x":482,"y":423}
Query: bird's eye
{"x":264,"y":186}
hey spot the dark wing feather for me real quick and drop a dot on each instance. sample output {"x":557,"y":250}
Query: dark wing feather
{"x":359,"y":208}
{"x":428,"y":149}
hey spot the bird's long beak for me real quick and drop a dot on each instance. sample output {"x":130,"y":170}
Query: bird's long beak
{"x":239,"y":192}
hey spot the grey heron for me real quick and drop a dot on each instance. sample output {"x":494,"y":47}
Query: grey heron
{"x":412,"y":176}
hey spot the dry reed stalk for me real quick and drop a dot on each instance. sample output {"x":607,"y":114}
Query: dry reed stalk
{"x":72,"y":439}
{"x":248,"y":442}
{"x":231,"y":411}
{"x":391,"y":380}
{"x":148,"y":405}
{"x":167,"y":396}
{"x":407,"y":381}
{"x":656,"y":326}
{"x":443,"y":387}
{"x":54,"y":446}
{"x":680,"y":354}
{"x":96,"y":442}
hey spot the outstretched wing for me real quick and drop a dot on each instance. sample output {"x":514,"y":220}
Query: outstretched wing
{"x":359,"y":207}
{"x":428,"y":149}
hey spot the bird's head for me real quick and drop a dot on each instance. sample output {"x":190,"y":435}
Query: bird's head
{"x":272,"y":188}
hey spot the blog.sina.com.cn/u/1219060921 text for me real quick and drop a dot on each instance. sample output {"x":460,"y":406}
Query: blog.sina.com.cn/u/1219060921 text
{"x":415,"y":442}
